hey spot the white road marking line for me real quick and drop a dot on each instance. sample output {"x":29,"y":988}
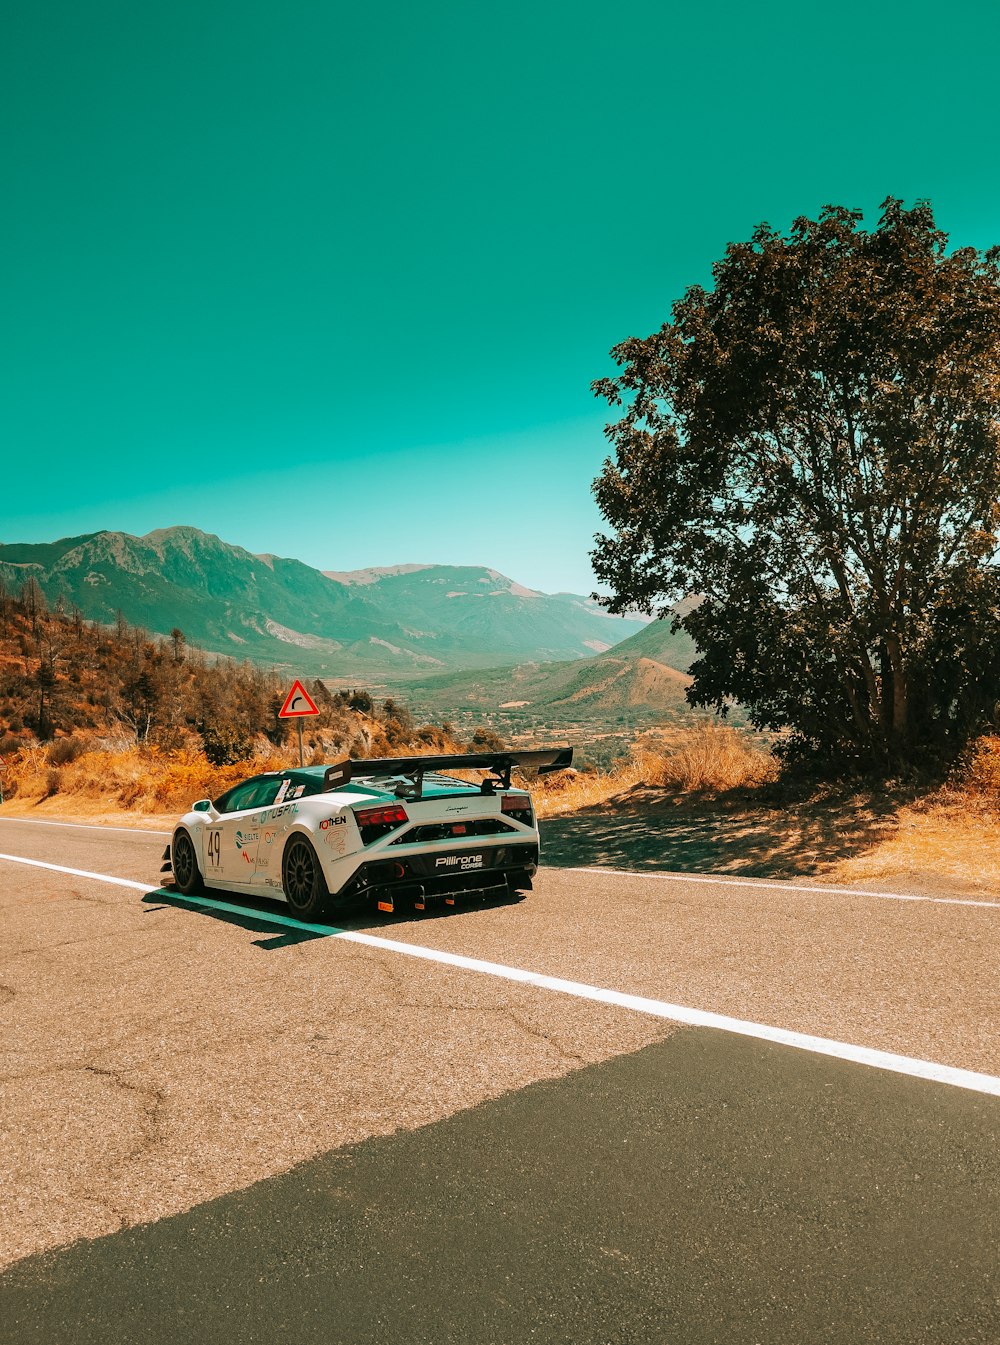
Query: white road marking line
{"x":782,"y":886}
{"x":677,"y":1013}
{"x":85,"y":826}
{"x":82,"y":873}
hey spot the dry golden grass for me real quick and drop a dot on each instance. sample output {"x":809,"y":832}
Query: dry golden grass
{"x":569,"y":793}
{"x":711,"y":758}
{"x":951,"y":833}
{"x":948,"y":836}
{"x":138,"y":780}
{"x":708,"y":759}
{"x":146,"y":780}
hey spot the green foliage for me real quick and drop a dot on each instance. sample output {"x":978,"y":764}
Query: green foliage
{"x":813,"y":447}
{"x":224,"y":744}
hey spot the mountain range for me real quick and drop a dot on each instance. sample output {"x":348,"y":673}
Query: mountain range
{"x":398,"y":621}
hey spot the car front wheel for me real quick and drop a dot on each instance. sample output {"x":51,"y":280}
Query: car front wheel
{"x":302,"y":879}
{"x":184,"y":863}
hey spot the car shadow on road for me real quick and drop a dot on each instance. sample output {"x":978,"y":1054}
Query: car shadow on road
{"x":738,"y":833}
{"x":260,"y":915}
{"x":244,"y":917}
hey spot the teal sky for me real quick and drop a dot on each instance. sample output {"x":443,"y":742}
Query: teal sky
{"x":333,"y":282}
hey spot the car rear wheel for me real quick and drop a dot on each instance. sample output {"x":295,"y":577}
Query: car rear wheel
{"x":184,"y":863}
{"x":302,"y":879}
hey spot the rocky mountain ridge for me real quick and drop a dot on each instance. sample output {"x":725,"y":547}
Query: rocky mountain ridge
{"x":398,"y":621}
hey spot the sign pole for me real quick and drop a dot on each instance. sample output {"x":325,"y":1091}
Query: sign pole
{"x":298,"y":725}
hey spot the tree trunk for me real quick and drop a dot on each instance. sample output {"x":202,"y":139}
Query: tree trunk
{"x":900,"y":709}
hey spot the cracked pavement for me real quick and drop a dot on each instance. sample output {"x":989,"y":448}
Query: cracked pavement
{"x":158,"y":1057}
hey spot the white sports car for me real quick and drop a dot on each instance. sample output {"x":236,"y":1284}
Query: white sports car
{"x":393,"y":831}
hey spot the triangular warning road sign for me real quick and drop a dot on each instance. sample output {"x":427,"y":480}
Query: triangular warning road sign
{"x":298,"y":704}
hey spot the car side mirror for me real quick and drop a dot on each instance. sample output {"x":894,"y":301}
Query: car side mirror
{"x":202,"y":806}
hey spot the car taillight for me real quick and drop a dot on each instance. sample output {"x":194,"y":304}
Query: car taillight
{"x":518,"y":806}
{"x":391,"y":815}
{"x":374,"y":823}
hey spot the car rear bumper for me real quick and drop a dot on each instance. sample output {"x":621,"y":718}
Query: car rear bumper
{"x":445,"y":873}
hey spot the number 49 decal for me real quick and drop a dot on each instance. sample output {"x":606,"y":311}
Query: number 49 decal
{"x":213,"y":852}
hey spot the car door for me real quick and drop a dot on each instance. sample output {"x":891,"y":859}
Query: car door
{"x":233,"y":841}
{"x":275,"y":817}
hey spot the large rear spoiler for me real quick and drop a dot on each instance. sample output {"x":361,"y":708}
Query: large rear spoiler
{"x":414,"y":768}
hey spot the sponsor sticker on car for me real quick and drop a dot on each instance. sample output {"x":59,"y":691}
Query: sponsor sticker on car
{"x":458,"y":862}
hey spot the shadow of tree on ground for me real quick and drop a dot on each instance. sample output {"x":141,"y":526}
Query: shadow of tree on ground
{"x":739,"y":833}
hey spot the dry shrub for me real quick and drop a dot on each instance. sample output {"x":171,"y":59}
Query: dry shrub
{"x":979,"y":771}
{"x":147,"y":778}
{"x":186,"y":776}
{"x":26,"y":772}
{"x":64,"y":750}
{"x":710,"y":758}
{"x":566,"y":791}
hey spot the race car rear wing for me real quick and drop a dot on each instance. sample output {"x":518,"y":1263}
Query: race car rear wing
{"x":413,"y":769}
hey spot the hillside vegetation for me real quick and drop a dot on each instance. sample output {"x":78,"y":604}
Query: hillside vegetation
{"x":146,"y":722}
{"x":117,"y":717}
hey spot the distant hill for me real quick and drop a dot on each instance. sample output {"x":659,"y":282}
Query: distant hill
{"x":454,"y":609}
{"x":657,"y":641}
{"x":398,"y":621}
{"x":632,"y":680}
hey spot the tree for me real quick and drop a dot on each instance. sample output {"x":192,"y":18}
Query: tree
{"x":33,"y":602}
{"x":45,"y":684}
{"x":178,"y":640}
{"x":813,"y":446}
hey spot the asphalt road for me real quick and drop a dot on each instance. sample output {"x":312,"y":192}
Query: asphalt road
{"x":219,"y":1127}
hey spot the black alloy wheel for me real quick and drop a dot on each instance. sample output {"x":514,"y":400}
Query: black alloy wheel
{"x":302,"y":879}
{"x":184,"y":863}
